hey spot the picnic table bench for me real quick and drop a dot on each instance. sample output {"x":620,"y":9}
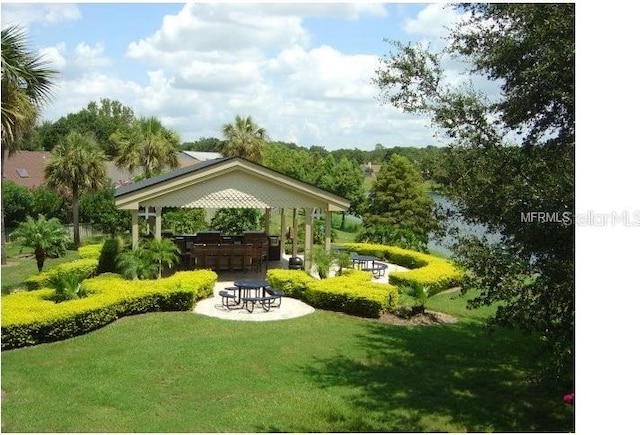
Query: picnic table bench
{"x":378,"y":269}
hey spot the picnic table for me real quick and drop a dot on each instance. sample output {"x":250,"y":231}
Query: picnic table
{"x":248,"y":292}
{"x":369,"y":263}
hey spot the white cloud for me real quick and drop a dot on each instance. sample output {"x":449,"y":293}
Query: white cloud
{"x":219,"y":28}
{"x":210,"y":62}
{"x":45,"y":13}
{"x":326,"y":74}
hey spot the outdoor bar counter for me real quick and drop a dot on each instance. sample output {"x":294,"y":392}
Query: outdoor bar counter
{"x":213,"y":250}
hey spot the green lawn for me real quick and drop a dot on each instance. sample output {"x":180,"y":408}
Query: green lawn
{"x":326,"y":372}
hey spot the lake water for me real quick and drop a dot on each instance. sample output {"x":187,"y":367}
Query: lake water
{"x":444,"y":245}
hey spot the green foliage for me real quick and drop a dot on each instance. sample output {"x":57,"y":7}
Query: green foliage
{"x":235,"y":220}
{"x":530,"y":49}
{"x":162,"y":253}
{"x":30,"y":318}
{"x":50,"y":204}
{"x":47,"y":238}
{"x":393,"y":236}
{"x":145,"y":144}
{"x":244,"y":138}
{"x":148,"y":260}
{"x":67,"y":286}
{"x":322,"y":260}
{"x":99,"y":209}
{"x":184,"y":220}
{"x":398,"y":199}
{"x":76,"y":166}
{"x":17,"y":202}
{"x":107,"y":260}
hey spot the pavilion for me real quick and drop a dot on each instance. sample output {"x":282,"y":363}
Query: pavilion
{"x":232,"y":182}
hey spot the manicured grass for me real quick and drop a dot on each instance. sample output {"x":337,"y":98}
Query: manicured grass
{"x":325,"y":372}
{"x":455,"y":303}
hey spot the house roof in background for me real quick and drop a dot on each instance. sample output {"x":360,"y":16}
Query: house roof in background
{"x":201,"y":156}
{"x":26,"y":168}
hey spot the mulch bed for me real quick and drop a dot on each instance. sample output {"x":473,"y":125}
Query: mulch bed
{"x":429,"y":318}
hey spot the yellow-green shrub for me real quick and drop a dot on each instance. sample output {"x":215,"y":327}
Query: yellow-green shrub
{"x":30,"y":318}
{"x":435,"y":273}
{"x":90,"y":251}
{"x":292,"y":283}
{"x":352,"y":293}
{"x":82,"y":267}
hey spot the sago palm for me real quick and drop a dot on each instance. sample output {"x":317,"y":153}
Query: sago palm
{"x":244,"y":138}
{"x":44,"y":236}
{"x":77,"y":165}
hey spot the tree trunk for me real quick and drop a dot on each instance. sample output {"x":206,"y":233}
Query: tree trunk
{"x":75,"y":202}
{"x":40,"y":257}
{"x":3,"y":253}
{"x":344,"y":214}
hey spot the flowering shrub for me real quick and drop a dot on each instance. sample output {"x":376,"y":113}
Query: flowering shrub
{"x":570,"y":398}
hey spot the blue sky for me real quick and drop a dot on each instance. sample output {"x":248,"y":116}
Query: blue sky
{"x":302,"y":71}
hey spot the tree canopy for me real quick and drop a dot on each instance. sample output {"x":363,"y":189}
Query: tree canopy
{"x":244,"y":138}
{"x":510,"y":156}
{"x":27,"y":84}
{"x":77,"y":165}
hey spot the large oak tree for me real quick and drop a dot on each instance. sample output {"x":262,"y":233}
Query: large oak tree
{"x":510,"y":156}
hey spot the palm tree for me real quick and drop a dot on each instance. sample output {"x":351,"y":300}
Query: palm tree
{"x":147,"y":144}
{"x":161,"y":253}
{"x":46,"y":237}
{"x":77,"y":165}
{"x":26,"y":86}
{"x":244,"y":139}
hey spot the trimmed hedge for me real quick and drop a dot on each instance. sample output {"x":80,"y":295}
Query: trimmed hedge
{"x":83,"y":267}
{"x":90,"y":251}
{"x":351,"y":293}
{"x":292,"y":283}
{"x":435,"y":273}
{"x":30,"y":318}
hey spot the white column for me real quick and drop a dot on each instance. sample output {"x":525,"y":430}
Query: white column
{"x":308,"y":237}
{"x":134,"y":228}
{"x":158,"y":232}
{"x":283,"y":231}
{"x":327,"y":230}
{"x":295,"y":232}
